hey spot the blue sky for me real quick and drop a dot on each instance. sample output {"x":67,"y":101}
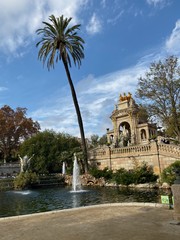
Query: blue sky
{"x":122,"y":38}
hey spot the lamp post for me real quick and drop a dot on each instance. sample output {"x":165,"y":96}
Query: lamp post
{"x":159,"y":164}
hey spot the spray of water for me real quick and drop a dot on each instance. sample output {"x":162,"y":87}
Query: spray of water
{"x":76,"y":182}
{"x":63,"y":168}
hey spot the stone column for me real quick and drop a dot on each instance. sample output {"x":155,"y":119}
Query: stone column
{"x":176,"y":194}
{"x":108,"y":157}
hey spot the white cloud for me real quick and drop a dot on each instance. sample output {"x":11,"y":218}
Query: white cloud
{"x":94,"y":25}
{"x":172,"y":44}
{"x":21,"y":19}
{"x":3,"y":89}
{"x":96,"y":102}
{"x":116,"y":18}
{"x":103,"y":3}
{"x":158,"y":3}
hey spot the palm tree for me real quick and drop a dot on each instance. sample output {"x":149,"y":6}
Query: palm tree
{"x":61,"y":42}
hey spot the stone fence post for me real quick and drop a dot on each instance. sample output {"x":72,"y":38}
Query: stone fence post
{"x":176,"y":194}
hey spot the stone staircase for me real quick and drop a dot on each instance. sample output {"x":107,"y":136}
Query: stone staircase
{"x":50,"y":181}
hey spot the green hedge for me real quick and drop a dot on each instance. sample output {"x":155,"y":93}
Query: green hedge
{"x":25,"y":180}
{"x":168,"y":174}
{"x":140,"y":174}
{"x":6,"y":184}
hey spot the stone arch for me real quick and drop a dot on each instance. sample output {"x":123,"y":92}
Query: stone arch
{"x":143,"y":135}
{"x":124,"y":134}
{"x":152,"y":132}
{"x":111,"y":138}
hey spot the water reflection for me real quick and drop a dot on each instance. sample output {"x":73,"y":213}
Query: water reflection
{"x":40,"y":200}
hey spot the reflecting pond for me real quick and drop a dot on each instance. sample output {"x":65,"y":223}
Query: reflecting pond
{"x":14,"y":203}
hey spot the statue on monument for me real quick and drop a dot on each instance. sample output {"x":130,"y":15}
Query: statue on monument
{"x":125,"y":97}
{"x":124,"y":137}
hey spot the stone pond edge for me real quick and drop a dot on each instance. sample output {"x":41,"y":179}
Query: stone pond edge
{"x":130,"y":204}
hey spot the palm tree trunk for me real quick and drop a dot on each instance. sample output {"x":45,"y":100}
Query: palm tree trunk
{"x":78,"y":115}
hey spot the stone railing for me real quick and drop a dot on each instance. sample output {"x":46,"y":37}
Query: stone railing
{"x":98,"y":152}
{"x":169,"y":149}
{"x":131,"y":149}
{"x":9,"y":169}
{"x":151,"y":148}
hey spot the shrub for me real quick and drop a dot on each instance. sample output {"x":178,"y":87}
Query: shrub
{"x":141,"y":174}
{"x":123,"y":176}
{"x":168,"y":174}
{"x":105,"y":173}
{"x":25,"y":180}
{"x":144,"y":174}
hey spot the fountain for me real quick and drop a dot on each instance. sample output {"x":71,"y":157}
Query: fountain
{"x":63,"y":168}
{"x":76,"y":182}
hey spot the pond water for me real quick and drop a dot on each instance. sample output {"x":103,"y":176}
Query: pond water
{"x":14,"y":203}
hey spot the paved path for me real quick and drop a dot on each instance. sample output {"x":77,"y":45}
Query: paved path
{"x":103,"y":222}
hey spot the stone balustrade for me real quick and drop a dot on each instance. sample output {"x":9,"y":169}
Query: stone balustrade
{"x":157,"y":155}
{"x":168,"y":148}
{"x":163,"y":148}
{"x":131,"y":149}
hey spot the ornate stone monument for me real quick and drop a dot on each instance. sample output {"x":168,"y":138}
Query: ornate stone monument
{"x":128,"y":127}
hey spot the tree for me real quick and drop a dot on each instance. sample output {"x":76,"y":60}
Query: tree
{"x":103,"y":140}
{"x":49,"y":149}
{"x":14,"y":128}
{"x":161,"y":89}
{"x":143,"y":114}
{"x":61,"y":42}
{"x":94,"y":140}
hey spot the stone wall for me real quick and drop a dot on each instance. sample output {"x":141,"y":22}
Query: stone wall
{"x":157,"y":155}
{"x":9,"y":169}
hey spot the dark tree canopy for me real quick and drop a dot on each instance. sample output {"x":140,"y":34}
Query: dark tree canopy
{"x":94,"y":140}
{"x":49,"y":150}
{"x":160,"y":89}
{"x":143,"y":114}
{"x":103,"y":140}
{"x":15,"y":127}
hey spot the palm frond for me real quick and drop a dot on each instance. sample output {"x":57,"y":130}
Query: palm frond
{"x":58,"y":39}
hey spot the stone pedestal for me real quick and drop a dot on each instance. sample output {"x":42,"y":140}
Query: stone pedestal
{"x":176,"y":194}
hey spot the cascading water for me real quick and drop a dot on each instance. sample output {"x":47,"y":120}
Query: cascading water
{"x":63,"y":168}
{"x":76,"y":182}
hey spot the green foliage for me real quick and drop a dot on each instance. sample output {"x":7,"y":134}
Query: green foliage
{"x":168,"y":174}
{"x":105,"y":173}
{"x":143,"y":114}
{"x":25,"y":180}
{"x":6,"y":184}
{"x":103,"y":140}
{"x":140,"y":174}
{"x":124,"y":177}
{"x":144,"y":174}
{"x":60,"y":42}
{"x":94,"y":140}
{"x":50,"y":150}
{"x":160,"y":88}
